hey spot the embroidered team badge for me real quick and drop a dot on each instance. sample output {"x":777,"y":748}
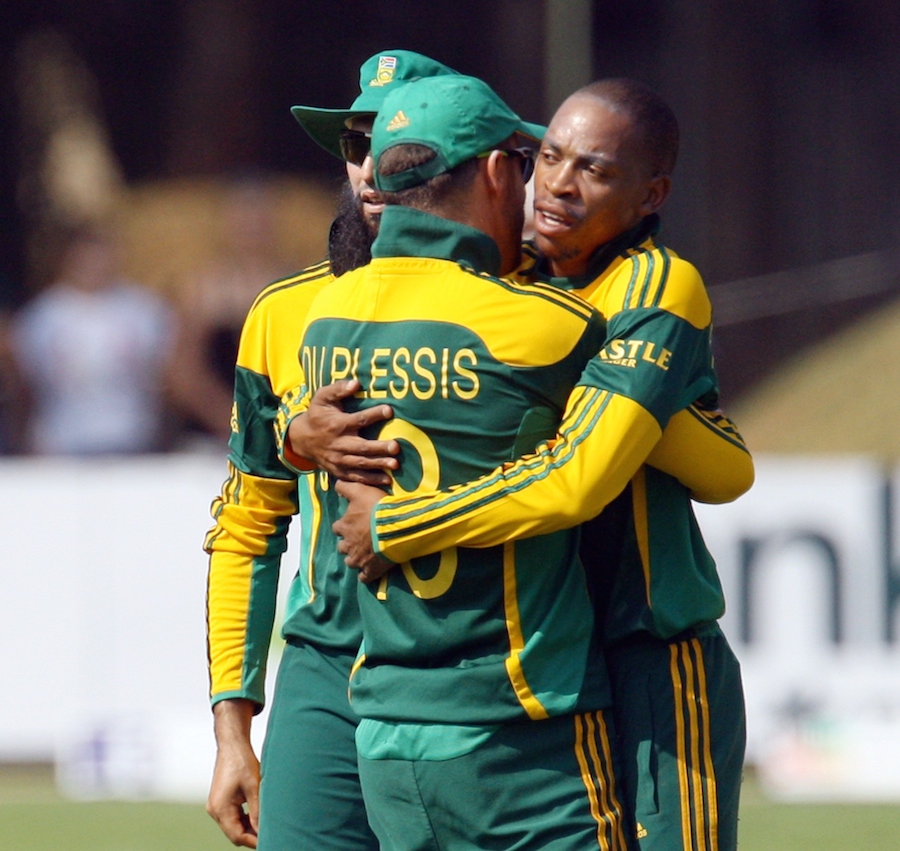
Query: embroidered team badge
{"x":385,"y":72}
{"x":398,"y":122}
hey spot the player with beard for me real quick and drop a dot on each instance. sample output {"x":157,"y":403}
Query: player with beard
{"x":309,"y":795}
{"x":351,"y":234}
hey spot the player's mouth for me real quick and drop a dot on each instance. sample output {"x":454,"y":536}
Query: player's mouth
{"x":553,"y":219}
{"x":371,"y":202}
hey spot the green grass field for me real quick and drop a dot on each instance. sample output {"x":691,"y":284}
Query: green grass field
{"x":766,"y":826}
{"x":35,"y":818}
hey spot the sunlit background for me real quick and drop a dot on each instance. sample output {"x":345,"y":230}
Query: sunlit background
{"x":161,"y":128}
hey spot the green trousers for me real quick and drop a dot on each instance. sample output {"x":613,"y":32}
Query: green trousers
{"x":310,"y":798}
{"x":533,"y":786}
{"x":679,"y":711}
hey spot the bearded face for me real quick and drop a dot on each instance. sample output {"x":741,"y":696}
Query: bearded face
{"x":352,"y":233}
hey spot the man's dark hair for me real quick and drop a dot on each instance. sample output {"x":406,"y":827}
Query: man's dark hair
{"x":351,"y":236}
{"x":433,"y":193}
{"x":652,"y":116}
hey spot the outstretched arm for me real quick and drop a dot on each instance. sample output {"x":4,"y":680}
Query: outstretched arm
{"x":701,"y":448}
{"x":602,"y":441}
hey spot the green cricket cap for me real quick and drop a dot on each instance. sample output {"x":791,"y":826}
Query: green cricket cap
{"x":458,"y":117}
{"x":378,"y":75}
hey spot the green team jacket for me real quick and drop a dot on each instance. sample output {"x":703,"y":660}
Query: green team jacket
{"x":649,"y":564}
{"x":477,"y":370}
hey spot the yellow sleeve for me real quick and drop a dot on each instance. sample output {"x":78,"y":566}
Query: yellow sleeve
{"x":245,"y":548}
{"x":602,"y":442}
{"x":254,"y":509}
{"x":705,"y":452}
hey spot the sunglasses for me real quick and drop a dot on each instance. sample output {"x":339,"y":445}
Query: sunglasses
{"x":525,"y":156}
{"x":355,"y":145}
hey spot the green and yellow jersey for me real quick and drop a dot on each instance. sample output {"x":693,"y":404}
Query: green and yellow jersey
{"x":664,"y":580}
{"x":477,"y":370}
{"x":255,"y":507}
{"x":655,"y":362}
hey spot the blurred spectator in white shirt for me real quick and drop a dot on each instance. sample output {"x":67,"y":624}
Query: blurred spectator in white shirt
{"x":93,"y":349}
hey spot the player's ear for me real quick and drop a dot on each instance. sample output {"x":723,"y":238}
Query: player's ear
{"x":658,"y":190}
{"x":496,"y":174}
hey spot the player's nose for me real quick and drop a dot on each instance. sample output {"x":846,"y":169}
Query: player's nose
{"x":558,"y":179}
{"x":367,"y":170}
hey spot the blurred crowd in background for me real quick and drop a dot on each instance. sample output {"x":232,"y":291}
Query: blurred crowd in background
{"x":130,"y":128}
{"x":101,"y":359}
{"x":126,"y":337}
{"x":97,"y":361}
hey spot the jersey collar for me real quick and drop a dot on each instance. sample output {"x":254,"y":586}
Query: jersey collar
{"x":405,"y":232}
{"x":648,"y":227}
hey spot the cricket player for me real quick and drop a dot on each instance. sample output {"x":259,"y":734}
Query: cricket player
{"x":310,"y":796}
{"x":603,"y":172}
{"x":481,"y":690}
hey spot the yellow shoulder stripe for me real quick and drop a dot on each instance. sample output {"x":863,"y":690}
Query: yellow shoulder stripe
{"x":391,"y":290}
{"x":659,"y":279}
{"x":310,"y":273}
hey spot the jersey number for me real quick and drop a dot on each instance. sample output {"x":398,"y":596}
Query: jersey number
{"x":425,"y":589}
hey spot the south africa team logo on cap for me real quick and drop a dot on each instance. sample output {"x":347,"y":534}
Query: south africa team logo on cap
{"x":385,"y":73}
